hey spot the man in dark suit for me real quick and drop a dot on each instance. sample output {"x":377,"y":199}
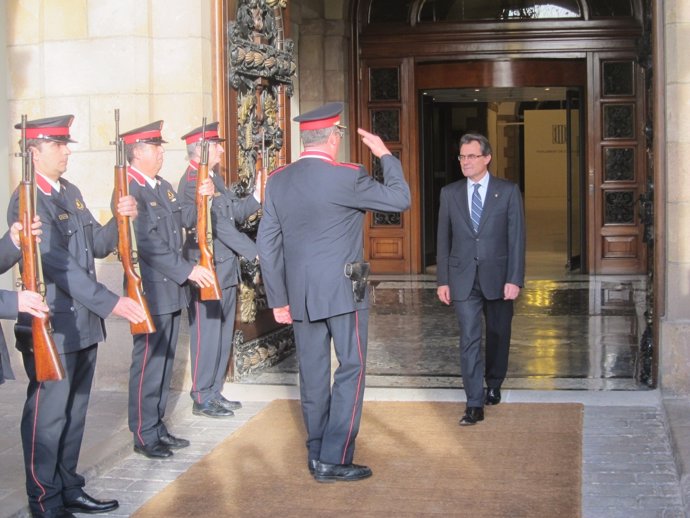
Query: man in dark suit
{"x":55,"y":411}
{"x":14,"y":302}
{"x":310,"y":231}
{"x":481,"y":268}
{"x":164,"y":273}
{"x":212,"y":322}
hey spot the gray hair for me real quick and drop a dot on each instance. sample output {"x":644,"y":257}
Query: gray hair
{"x":467,"y":138}
{"x":317,"y":136}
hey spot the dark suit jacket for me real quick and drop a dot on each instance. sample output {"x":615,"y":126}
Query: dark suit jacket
{"x":496,"y":252}
{"x":312,"y":225}
{"x":158,"y":230}
{"x":226,"y":210}
{"x":9,"y":255}
{"x":71,"y":240}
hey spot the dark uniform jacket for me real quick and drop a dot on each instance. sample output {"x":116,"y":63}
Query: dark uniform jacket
{"x":9,"y":255}
{"x":158,"y":230}
{"x":71,"y":240}
{"x":496,"y":252}
{"x":226,"y":211}
{"x":304,"y":256}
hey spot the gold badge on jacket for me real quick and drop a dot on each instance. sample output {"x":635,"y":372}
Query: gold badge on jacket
{"x":171,"y":195}
{"x":79,"y":204}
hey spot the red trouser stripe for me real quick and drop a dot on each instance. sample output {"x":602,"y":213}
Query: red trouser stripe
{"x":141,"y":383}
{"x":359,"y":386}
{"x":198,"y":351}
{"x":33,"y":450}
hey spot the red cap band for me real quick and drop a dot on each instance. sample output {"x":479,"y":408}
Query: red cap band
{"x":46,"y":132}
{"x":319,"y":124}
{"x":131,"y":139}
{"x":197,"y":136}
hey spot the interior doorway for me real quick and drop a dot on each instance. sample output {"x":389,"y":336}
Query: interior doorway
{"x":537,"y":143}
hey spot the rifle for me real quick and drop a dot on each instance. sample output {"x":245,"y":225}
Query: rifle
{"x":48,"y":364}
{"x":126,"y":246}
{"x":204,"y":234}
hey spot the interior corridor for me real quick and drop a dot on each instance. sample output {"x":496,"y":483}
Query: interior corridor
{"x":570,"y":331}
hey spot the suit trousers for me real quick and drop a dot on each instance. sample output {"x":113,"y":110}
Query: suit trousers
{"x":153,"y":356}
{"x":498,"y":315}
{"x":52,"y":429}
{"x":332,"y":414}
{"x":211,"y":326}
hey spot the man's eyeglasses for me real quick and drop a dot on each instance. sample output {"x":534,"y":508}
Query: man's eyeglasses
{"x":340,"y":130}
{"x":471,"y":158}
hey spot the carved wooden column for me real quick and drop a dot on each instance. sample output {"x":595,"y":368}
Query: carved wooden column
{"x":260,"y":67}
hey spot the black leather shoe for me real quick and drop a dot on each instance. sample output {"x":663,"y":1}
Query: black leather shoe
{"x":211,"y":409}
{"x":347,"y":472}
{"x":311,"y":464}
{"x":157,"y":450}
{"x":172,"y":442}
{"x":90,"y":505}
{"x":56,"y":512}
{"x":227,"y":404}
{"x":493,"y":396}
{"x":473,"y":415}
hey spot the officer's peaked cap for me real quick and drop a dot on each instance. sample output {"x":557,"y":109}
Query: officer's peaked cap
{"x":50,"y":128}
{"x":322,"y":117}
{"x":210,"y":133}
{"x":149,"y":134}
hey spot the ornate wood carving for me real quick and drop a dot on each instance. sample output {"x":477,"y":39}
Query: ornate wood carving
{"x":260,"y":70}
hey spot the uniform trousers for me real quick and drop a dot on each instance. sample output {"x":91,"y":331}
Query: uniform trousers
{"x":498,"y":315}
{"x":211,"y":325}
{"x":52,"y":429}
{"x":332,"y":414}
{"x":153,"y":356}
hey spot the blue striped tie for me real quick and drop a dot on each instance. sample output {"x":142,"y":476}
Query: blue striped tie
{"x":476,"y":207}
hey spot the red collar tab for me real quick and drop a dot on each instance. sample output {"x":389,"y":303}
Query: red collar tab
{"x":136,"y":176}
{"x":194,"y":164}
{"x":43,"y":184}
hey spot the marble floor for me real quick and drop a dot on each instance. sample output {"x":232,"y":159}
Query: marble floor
{"x":570,"y":331}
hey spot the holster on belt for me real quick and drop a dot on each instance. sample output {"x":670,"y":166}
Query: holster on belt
{"x":358,"y":273}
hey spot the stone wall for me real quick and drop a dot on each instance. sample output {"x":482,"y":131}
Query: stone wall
{"x":674,"y":364}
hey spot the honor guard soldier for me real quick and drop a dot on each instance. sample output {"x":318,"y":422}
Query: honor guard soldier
{"x":165,"y":274}
{"x":211,"y":322}
{"x":310,"y":247}
{"x":55,"y":411}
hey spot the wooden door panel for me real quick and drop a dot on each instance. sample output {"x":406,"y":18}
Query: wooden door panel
{"x":617,"y":164}
{"x":383,"y":94}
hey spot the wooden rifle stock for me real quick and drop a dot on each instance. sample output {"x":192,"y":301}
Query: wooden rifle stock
{"x":125,"y":249}
{"x":48,"y":364}
{"x":204,"y":232}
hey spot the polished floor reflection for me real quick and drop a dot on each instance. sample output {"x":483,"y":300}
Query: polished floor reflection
{"x":569,"y":332}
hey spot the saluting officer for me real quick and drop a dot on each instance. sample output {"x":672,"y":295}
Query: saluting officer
{"x":311,"y":228}
{"x":164,"y":273}
{"x":55,"y":411}
{"x":211,"y":323}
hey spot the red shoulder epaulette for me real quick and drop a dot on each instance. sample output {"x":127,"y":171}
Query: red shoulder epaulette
{"x":277,"y":170}
{"x":136,"y":176}
{"x":350,"y":165}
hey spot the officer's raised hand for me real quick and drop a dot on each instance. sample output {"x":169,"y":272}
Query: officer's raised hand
{"x":374,"y":143}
